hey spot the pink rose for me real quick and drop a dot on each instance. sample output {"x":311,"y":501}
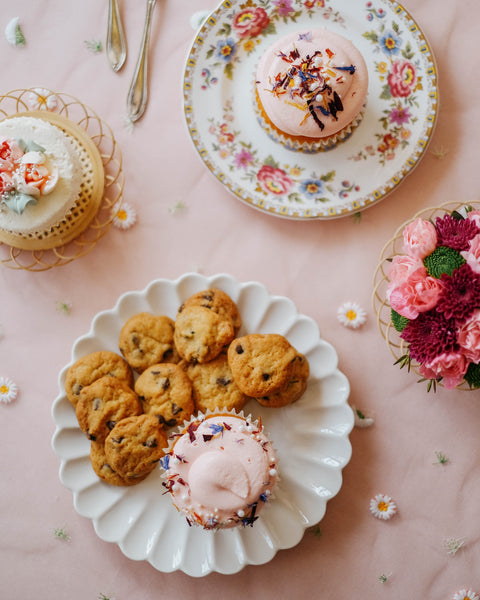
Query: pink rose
{"x":475,"y":216}
{"x":250,"y":22}
{"x":472,"y":255}
{"x":416,"y":294}
{"x":451,"y":366}
{"x":468,"y":337}
{"x":419,"y":238}
{"x":402,"y":79}
{"x":274,"y":180}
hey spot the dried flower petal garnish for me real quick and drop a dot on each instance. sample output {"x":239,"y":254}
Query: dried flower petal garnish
{"x":383,"y":507}
{"x":178,"y":207}
{"x":8,"y":390}
{"x":94,"y":46}
{"x":439,"y":152}
{"x":351,"y":315}
{"x":64,"y":307}
{"x":124,"y":216}
{"x":452,"y":545}
{"x":441,"y":459}
{"x":13,"y":33}
{"x":361,"y":420}
{"x":42,"y":99}
{"x":465,"y":594}
{"x":62,"y":534}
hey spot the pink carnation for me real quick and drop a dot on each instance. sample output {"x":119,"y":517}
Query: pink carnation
{"x":419,"y":293}
{"x":472,"y":255}
{"x":468,"y":337}
{"x":402,"y":267}
{"x":419,"y":238}
{"x":450,"y":366}
{"x":474,"y":215}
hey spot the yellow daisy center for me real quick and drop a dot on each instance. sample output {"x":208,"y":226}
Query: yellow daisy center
{"x":122,"y":214}
{"x":351,"y":315}
{"x":4,"y":389}
{"x":383,"y":506}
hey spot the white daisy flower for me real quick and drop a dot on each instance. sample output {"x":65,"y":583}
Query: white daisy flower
{"x":8,"y":390}
{"x":124,"y":216}
{"x":383,"y":507}
{"x":41,"y":99}
{"x":465,"y":594}
{"x":351,"y":315}
{"x":361,"y":420}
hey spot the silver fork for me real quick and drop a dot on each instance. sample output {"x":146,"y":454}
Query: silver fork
{"x":116,"y":44}
{"x":138,"y":93}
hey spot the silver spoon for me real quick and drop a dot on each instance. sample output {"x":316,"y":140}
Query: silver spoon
{"x":116,"y":44}
{"x":138,"y":93}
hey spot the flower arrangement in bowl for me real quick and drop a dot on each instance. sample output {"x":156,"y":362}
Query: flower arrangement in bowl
{"x":427,"y":296}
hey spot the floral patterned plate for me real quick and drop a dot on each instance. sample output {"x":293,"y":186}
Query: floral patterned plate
{"x":389,"y":142}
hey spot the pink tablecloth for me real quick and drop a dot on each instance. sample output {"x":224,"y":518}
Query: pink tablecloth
{"x":318,"y":264}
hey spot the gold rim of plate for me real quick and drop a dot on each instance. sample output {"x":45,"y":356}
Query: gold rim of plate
{"x":101,"y":186}
{"x":397,"y":346}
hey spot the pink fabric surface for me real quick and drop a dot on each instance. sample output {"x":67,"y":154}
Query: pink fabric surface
{"x":319,"y":265}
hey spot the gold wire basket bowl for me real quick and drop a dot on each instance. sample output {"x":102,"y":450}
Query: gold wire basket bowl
{"x":398,"y":347}
{"x":102,"y":184}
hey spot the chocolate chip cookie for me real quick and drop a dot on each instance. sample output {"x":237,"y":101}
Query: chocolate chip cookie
{"x":261,"y":364}
{"x":213,"y":385}
{"x":91,"y":367}
{"x":102,"y":404}
{"x":135,"y":446}
{"x":201,"y":334}
{"x":147,"y":339}
{"x":104,"y":470}
{"x":165,"y":392}
{"x":218,"y":301}
{"x":294,"y":388}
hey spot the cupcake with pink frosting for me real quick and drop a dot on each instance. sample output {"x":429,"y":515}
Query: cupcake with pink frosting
{"x":220,"y":470}
{"x":311,"y":89}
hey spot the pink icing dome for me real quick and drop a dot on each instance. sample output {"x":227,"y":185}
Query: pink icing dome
{"x":220,"y":471}
{"x":312,"y":83}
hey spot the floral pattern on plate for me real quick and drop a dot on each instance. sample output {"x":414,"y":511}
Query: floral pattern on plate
{"x":399,"y":118}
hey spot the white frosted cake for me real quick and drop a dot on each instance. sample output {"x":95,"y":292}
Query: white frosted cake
{"x":40,"y":175}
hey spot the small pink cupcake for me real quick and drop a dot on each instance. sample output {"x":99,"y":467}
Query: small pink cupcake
{"x":220,"y":470}
{"x":311,"y":89}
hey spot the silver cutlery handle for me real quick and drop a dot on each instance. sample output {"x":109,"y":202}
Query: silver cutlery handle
{"x":138,"y":93}
{"x":116,"y":45}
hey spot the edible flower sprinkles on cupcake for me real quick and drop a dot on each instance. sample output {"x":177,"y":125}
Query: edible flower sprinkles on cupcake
{"x":434,"y":294}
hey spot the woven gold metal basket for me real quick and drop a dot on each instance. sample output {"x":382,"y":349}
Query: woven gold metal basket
{"x":382,"y":308}
{"x":101,"y":185}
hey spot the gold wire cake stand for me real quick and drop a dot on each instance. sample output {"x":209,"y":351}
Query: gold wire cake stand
{"x":382,"y":308}
{"x":101,"y":189}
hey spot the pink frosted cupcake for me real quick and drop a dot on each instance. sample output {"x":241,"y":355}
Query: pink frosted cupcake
{"x":311,"y":89}
{"x":220,"y":470}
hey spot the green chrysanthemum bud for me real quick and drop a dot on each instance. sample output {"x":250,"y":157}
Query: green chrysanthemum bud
{"x":443,"y":260}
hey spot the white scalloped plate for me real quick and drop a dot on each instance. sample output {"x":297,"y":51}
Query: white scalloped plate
{"x":311,"y":438}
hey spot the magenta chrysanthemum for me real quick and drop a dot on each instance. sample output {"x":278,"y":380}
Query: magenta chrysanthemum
{"x":430,"y":335}
{"x":455,"y":233}
{"x":460,"y":295}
